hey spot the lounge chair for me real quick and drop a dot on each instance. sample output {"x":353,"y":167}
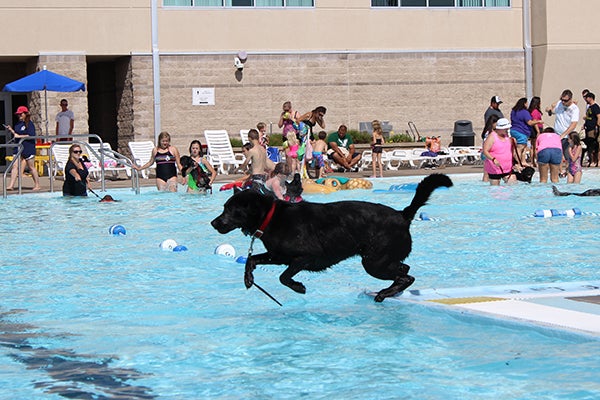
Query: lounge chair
{"x":60,"y":154}
{"x":220,"y":152}
{"x":141,"y":153}
{"x":111,"y":163}
{"x":244,"y":135}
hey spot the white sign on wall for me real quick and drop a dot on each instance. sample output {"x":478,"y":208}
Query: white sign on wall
{"x":203,"y":96}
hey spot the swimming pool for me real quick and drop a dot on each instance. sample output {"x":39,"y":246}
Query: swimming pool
{"x":84,"y":314}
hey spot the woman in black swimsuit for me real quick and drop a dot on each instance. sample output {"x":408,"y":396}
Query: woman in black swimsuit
{"x":167,"y":163}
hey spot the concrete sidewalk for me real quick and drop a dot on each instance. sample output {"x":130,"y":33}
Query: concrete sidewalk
{"x":124,"y":182}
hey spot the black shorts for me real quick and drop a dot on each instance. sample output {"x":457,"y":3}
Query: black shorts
{"x":499,"y":176}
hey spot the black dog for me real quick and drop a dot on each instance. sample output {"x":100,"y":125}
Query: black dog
{"x":525,"y":175}
{"x":199,"y":176}
{"x":589,"y":192}
{"x":296,"y":235}
{"x":293,"y":189}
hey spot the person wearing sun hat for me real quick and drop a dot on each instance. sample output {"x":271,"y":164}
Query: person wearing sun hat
{"x":498,"y":151}
{"x":23,"y":129}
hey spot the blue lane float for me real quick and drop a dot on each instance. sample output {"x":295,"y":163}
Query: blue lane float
{"x":179,"y":248}
{"x":117,"y":230}
{"x":403,"y":188}
{"x":172,"y":245}
{"x":557,"y":213}
{"x":241,"y":260}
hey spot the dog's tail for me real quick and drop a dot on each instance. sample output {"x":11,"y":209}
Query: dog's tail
{"x":427,"y":185}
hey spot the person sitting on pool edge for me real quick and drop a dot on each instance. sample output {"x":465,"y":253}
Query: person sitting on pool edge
{"x":341,"y":149}
{"x":76,"y":174}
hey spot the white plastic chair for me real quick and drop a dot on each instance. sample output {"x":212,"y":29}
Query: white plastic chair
{"x":220,"y":152}
{"x":244,"y":135}
{"x":110,"y":163}
{"x":60,"y":154}
{"x":141,"y":153}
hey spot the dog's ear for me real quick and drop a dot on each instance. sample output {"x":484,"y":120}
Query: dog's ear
{"x":236,"y":189}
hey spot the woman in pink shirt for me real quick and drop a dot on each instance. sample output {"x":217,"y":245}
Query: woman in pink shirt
{"x":498,"y":151}
{"x":549,"y":154}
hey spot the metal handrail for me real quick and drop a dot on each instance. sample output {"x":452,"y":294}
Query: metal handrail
{"x":16,"y":157}
{"x":123,"y":160}
{"x":119,"y":158}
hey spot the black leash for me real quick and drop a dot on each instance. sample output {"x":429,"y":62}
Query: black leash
{"x":254,"y":283}
{"x":267,"y":293}
{"x":95,"y":194}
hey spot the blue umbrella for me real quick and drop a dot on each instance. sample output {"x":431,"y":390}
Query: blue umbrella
{"x":45,"y":80}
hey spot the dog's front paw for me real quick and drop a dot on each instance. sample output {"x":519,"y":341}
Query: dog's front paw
{"x":298,"y":287}
{"x":248,"y":279}
{"x":248,"y":276}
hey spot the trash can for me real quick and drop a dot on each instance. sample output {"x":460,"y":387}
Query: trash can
{"x":463,"y":134}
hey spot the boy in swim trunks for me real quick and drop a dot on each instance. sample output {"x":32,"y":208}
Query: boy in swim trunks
{"x":256,"y":158}
{"x":320,"y":148}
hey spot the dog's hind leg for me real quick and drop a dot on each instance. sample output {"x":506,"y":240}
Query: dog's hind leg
{"x":400,"y":283}
{"x":286,"y":279}
{"x":398,"y":272}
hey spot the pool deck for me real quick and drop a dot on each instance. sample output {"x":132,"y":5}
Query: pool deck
{"x":123,"y":182}
{"x":566,"y":306}
{"x":569,"y":306}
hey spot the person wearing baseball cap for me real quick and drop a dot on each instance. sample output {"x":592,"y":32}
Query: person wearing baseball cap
{"x":493,"y":109}
{"x":499,"y":152}
{"x":23,"y":129}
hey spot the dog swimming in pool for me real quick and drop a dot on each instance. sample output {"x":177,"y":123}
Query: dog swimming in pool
{"x":313,"y":236}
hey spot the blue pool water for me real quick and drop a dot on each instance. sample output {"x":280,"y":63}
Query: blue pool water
{"x":84,"y":314}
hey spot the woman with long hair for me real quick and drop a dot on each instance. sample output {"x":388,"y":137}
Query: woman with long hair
{"x":76,"y":174}
{"x":536,"y":113}
{"x":376,"y":144}
{"x":521,"y":122}
{"x":204,"y":175}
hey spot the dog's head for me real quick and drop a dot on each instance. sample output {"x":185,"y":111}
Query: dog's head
{"x":245,"y":210}
{"x":526,"y":174}
{"x":294,"y":188}
{"x":186,"y":163}
{"x":107,"y":199}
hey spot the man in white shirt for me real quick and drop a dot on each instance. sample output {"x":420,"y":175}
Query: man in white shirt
{"x":567,"y":114}
{"x":565,"y":121}
{"x":65,"y":120}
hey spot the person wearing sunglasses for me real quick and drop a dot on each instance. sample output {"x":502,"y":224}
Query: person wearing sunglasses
{"x":566,"y":119}
{"x":76,"y":174}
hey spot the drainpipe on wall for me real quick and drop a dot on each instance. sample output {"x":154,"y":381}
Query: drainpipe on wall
{"x":527,"y":46}
{"x":155,"y":70}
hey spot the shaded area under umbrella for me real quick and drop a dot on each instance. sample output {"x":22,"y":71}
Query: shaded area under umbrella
{"x":45,"y":80}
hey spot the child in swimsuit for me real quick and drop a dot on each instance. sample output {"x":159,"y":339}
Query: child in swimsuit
{"x":320,"y":148}
{"x":167,"y":161}
{"x":574,"y":170}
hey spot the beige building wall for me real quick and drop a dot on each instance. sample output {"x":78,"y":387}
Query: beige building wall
{"x":566,"y":49}
{"x":430,"y":66}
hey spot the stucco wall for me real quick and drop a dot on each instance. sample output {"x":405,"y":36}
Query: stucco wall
{"x":430,"y":89}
